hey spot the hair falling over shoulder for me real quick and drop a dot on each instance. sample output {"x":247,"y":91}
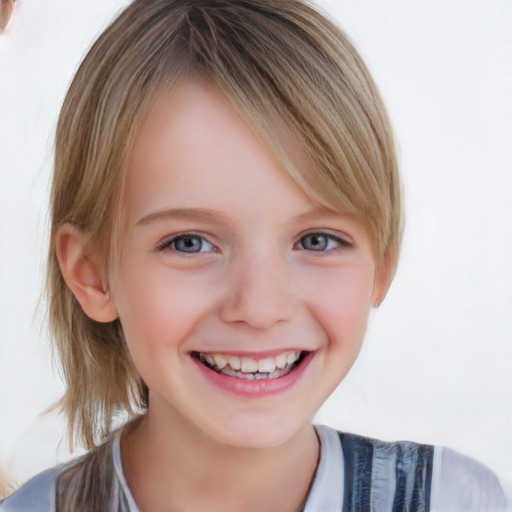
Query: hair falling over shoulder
{"x":288,"y":71}
{"x":89,"y":484}
{"x":7,"y":486}
{"x":88,"y":481}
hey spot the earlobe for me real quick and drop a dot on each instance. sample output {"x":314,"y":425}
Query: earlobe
{"x":382,"y":281}
{"x":84,"y":274}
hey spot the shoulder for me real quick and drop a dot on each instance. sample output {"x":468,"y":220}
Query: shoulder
{"x":443,"y":478}
{"x":395,"y":452}
{"x":460,"y":483}
{"x":381,"y":460}
{"x":38,"y":494}
{"x":381,"y":475}
{"x":74,"y":480}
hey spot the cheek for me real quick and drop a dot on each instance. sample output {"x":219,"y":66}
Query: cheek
{"x":157,"y":306}
{"x":340,"y":301}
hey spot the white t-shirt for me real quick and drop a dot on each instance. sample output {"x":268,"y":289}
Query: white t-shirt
{"x":458,"y":484}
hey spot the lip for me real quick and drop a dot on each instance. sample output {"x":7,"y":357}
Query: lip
{"x":255,"y":388}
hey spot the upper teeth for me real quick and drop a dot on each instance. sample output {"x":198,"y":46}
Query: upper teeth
{"x":250,"y":365}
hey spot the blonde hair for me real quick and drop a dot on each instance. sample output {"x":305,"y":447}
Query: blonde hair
{"x":7,"y":483}
{"x":290,"y":72}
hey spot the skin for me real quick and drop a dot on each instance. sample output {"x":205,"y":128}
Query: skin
{"x":261,"y":283}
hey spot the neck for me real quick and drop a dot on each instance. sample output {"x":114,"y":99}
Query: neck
{"x":178,"y":467}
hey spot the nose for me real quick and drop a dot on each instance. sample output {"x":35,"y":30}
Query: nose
{"x":260,"y":294}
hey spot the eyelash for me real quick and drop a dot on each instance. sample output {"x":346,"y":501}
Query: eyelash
{"x":340,"y":242}
{"x":170,"y":243}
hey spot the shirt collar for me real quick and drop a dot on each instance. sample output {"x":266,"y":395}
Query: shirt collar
{"x":327,"y":489}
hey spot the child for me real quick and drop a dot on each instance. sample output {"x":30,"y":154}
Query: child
{"x":225,"y":212}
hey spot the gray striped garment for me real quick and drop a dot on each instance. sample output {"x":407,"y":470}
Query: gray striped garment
{"x":354,"y":474}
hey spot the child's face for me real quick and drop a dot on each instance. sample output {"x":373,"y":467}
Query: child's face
{"x":223,"y":254}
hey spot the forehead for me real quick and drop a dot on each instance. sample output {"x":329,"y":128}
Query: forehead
{"x":193,"y":145}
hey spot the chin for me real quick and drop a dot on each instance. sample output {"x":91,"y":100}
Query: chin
{"x":257,"y":433}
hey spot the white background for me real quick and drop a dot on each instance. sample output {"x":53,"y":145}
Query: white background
{"x":436,"y":366}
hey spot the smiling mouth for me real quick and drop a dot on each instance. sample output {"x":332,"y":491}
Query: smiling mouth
{"x":249,"y":368}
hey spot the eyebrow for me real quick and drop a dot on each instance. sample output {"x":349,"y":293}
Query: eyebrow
{"x":323,"y":213}
{"x":195,"y":214}
{"x":207,"y":215}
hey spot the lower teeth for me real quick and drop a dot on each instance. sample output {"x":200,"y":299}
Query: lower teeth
{"x":250,"y":376}
{"x":227,"y":370}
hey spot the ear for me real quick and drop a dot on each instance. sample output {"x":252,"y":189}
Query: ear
{"x":384,"y":273}
{"x":84,"y":274}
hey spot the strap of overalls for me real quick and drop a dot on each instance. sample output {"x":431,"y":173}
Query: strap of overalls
{"x":383,"y":476}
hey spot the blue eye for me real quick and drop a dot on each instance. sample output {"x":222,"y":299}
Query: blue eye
{"x":321,"y":242}
{"x":188,"y":243}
